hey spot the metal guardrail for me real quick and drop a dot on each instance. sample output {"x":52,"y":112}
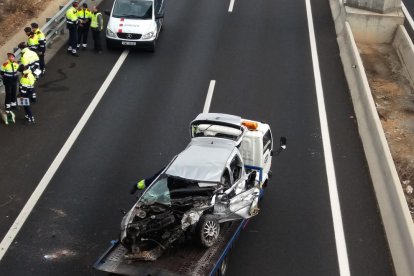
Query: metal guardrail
{"x":53,"y":27}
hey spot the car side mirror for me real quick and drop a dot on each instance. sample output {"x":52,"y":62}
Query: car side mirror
{"x":283,"y":145}
{"x":159,"y":16}
{"x":107,"y":12}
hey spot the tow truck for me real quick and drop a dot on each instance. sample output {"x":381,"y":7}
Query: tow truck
{"x":188,"y":218}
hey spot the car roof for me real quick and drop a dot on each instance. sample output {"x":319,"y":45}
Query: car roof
{"x":219,"y":117}
{"x":203,"y":160}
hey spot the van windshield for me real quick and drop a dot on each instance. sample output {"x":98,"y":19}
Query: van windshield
{"x":133,"y":9}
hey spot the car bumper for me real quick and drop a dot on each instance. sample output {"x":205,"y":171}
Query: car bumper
{"x":130,"y":43}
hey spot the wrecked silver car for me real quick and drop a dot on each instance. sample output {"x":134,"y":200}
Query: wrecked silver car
{"x":203,"y":186}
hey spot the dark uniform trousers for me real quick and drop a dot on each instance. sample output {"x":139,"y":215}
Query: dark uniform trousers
{"x":41,"y":52}
{"x":96,"y":34}
{"x":10,"y":85}
{"x":72,"y":36}
{"x":83,"y":32}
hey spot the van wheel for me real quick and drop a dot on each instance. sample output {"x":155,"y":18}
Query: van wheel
{"x":109,"y":45}
{"x":221,"y":271}
{"x":208,"y":230}
{"x":152,"y":47}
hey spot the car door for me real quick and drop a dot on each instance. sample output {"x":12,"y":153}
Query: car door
{"x":244,"y":199}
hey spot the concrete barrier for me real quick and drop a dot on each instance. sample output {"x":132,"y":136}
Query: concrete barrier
{"x":404,"y":46}
{"x":394,"y":211}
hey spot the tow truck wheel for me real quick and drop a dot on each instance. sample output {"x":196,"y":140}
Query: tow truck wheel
{"x":208,"y":230}
{"x":223,"y":267}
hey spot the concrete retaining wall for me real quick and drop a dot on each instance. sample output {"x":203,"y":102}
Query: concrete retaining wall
{"x":394,"y":211}
{"x":405,"y":49}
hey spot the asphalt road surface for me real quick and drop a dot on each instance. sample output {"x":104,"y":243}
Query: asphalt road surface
{"x":409,"y":27}
{"x":260,"y":56}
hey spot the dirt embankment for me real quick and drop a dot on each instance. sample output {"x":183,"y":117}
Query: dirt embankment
{"x":393,"y":93}
{"x":14,"y":14}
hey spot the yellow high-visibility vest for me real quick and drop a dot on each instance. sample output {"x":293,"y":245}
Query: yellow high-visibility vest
{"x":9,"y":69}
{"x":94,"y":23}
{"x":28,"y":57}
{"x":72,"y":15}
{"x":28,"y":79}
{"x":84,"y":14}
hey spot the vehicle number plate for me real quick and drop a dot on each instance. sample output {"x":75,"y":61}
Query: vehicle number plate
{"x":128,"y":43}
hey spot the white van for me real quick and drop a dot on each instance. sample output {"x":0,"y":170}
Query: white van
{"x":135,"y":23}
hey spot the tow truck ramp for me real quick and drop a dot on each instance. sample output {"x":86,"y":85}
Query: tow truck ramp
{"x":184,"y":259}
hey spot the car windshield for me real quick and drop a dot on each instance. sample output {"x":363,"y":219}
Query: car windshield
{"x":167,"y":188}
{"x":133,"y":9}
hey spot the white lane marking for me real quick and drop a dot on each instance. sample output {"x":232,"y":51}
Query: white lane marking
{"x":330,"y":169}
{"x":231,"y":5}
{"x":27,"y":209}
{"x":209,"y":96}
{"x":408,"y":16}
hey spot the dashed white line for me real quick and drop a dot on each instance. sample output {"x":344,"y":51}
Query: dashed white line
{"x":231,"y":5}
{"x":408,"y":16}
{"x":330,"y":169}
{"x":27,"y":209}
{"x":209,"y":96}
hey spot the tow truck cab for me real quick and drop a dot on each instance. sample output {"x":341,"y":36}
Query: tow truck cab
{"x":253,"y":139}
{"x":135,"y":23}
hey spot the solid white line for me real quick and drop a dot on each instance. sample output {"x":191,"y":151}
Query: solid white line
{"x":27,"y":209}
{"x":330,"y":169}
{"x":209,"y":96}
{"x":231,"y":5}
{"x":408,"y":16}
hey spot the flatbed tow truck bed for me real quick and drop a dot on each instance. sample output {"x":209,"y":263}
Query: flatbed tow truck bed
{"x":184,"y":259}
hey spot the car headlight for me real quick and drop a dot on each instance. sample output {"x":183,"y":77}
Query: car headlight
{"x":148,"y":35}
{"x":110,"y":33}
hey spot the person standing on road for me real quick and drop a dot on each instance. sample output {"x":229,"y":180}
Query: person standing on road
{"x":26,"y":89}
{"x":72,"y":25}
{"x":84,"y":16}
{"x":29,"y":58}
{"x":42,"y":45}
{"x":8,"y":72}
{"x":32,"y":40}
{"x":96,"y":28}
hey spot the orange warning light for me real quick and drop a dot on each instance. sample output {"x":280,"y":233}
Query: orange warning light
{"x":250,"y":125}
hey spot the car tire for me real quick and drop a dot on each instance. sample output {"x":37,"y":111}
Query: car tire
{"x":110,"y":45}
{"x":221,"y":271}
{"x":208,"y":230}
{"x":152,"y":47}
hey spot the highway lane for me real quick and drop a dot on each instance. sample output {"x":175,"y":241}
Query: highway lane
{"x":409,"y":5}
{"x":255,"y":53}
{"x":27,"y":151}
{"x":295,"y":226}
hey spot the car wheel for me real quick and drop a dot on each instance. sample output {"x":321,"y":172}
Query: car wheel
{"x":109,"y":45}
{"x":208,"y":230}
{"x":152,"y":47}
{"x":221,"y":271}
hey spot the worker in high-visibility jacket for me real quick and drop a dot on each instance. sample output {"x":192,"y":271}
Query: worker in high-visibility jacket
{"x":30,"y":59}
{"x":8,"y":72}
{"x":26,"y":89}
{"x":32,"y":40}
{"x":84,"y":16}
{"x":72,"y":25}
{"x":41,"y":50}
{"x":96,"y":28}
{"x":144,"y":183}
